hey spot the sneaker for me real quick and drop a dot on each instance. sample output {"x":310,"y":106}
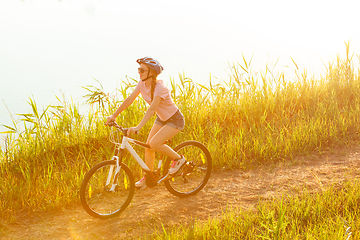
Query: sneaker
{"x":141,"y":183}
{"x":176,"y":165}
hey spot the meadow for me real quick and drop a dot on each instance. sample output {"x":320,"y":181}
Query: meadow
{"x":331,"y":214}
{"x":251,"y":119}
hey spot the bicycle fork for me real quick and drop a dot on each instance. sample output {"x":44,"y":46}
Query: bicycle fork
{"x":112,"y":180}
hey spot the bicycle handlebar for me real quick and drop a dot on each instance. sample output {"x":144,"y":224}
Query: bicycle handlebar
{"x":123,"y":130}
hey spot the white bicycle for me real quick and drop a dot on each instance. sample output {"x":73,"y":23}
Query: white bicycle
{"x":108,"y":187}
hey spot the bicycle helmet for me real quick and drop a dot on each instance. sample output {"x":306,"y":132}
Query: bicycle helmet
{"x":151,"y":63}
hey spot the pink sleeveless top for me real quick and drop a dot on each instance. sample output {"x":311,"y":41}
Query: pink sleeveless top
{"x":167,"y":107}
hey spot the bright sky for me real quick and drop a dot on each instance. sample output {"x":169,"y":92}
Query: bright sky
{"x":50,"y":45}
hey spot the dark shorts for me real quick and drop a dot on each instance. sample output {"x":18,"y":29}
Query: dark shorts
{"x":177,"y":121}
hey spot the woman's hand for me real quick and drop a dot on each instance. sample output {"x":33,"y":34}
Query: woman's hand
{"x":133,"y":130}
{"x":110,"y":119}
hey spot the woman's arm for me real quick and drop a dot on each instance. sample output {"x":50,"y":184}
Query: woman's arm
{"x":149,"y":113}
{"x":125,"y":104}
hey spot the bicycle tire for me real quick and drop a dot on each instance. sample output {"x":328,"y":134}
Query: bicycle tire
{"x":189,"y":180}
{"x":100,"y":197}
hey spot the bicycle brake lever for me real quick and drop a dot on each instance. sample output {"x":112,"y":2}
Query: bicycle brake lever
{"x":113,"y":124}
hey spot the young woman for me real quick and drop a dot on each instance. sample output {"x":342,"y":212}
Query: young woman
{"x":169,"y":121}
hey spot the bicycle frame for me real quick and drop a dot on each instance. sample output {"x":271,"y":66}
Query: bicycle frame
{"x":126,"y":145}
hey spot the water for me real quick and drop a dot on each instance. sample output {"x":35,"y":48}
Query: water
{"x":50,"y":47}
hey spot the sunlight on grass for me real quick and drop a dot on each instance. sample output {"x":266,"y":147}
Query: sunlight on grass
{"x":331,"y":214}
{"x":251,"y":118}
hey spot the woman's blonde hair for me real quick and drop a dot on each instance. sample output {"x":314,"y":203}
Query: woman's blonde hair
{"x":153,"y":83}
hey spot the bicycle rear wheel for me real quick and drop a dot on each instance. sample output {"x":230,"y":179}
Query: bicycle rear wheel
{"x":194,"y":174}
{"x":106,"y":191}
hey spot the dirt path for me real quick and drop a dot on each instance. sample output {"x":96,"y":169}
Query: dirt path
{"x":153,"y":206}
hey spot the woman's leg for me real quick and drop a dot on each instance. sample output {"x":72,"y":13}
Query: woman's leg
{"x":149,"y":153}
{"x":157,"y":141}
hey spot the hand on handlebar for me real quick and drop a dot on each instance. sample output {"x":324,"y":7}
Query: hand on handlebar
{"x":133,"y":130}
{"x":110,"y":119}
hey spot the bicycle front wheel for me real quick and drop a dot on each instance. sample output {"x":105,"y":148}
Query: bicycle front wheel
{"x":107,"y":189}
{"x":194,"y":174}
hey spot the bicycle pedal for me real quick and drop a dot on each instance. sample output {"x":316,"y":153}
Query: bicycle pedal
{"x":179,"y":171}
{"x":143,"y":187}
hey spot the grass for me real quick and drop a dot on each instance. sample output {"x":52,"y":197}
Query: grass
{"x":247,"y":120}
{"x":331,"y":214}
